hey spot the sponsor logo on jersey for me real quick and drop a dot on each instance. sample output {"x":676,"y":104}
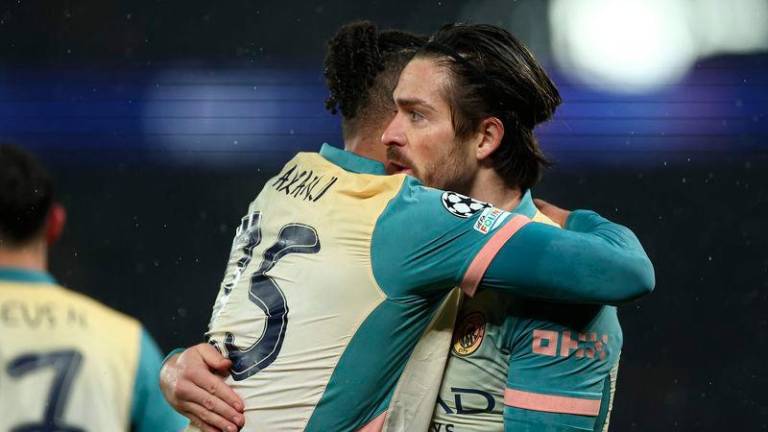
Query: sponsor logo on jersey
{"x":469,"y":334}
{"x":467,"y":401}
{"x":490,"y":219}
{"x":581,"y":345}
{"x":461,"y":205}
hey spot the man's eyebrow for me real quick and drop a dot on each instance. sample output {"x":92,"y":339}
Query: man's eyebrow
{"x":410,"y":102}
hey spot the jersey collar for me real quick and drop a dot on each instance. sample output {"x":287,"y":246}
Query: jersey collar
{"x":13,"y":274}
{"x":526,"y":206}
{"x":358,"y":164}
{"x":350,"y":161}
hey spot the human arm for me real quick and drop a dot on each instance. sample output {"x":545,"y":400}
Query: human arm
{"x":429,"y":240}
{"x":592,"y":261}
{"x":149,"y":412}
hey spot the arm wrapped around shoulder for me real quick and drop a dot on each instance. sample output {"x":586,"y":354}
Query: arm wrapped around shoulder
{"x":592,"y":260}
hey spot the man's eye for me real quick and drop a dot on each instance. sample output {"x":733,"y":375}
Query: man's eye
{"x":415,"y":116}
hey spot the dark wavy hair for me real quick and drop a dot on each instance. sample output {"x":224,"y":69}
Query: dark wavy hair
{"x":362,"y":66}
{"x":26,"y":196}
{"x":492,"y":74}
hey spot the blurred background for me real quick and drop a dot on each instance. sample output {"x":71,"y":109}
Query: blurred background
{"x":161,"y":121}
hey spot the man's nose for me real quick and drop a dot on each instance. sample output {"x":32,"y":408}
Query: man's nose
{"x":393,"y":135}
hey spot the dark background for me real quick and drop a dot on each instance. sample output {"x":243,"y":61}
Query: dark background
{"x":161,"y":121}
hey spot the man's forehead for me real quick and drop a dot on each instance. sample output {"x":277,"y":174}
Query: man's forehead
{"x":422,"y":79}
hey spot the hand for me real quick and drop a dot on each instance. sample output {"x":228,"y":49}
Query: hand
{"x":558,"y":215}
{"x":193,"y":384}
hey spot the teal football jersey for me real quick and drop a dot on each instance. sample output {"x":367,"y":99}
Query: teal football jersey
{"x":337,"y":269}
{"x":526,"y":365}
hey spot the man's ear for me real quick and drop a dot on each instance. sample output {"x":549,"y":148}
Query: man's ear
{"x":491,"y":133}
{"x":54,"y":226}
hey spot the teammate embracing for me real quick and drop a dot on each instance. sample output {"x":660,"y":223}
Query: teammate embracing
{"x":337,"y":269}
{"x":546,"y":365}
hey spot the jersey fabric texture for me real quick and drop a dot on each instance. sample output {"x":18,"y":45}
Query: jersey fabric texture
{"x":551,"y":364}
{"x":337,"y":269}
{"x":70,"y":363}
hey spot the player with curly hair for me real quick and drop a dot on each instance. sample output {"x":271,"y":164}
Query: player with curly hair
{"x":337,"y":269}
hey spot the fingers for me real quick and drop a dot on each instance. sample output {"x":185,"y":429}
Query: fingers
{"x":194,"y":389}
{"x":206,"y":419}
{"x":202,"y":389}
{"x":213,"y":358}
{"x":213,"y":385}
{"x":200,"y":424}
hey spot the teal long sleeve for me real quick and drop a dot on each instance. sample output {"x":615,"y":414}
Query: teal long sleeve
{"x":592,"y":260}
{"x":150,"y":412}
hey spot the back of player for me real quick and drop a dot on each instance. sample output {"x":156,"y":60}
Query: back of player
{"x":524,"y":365}
{"x":299,"y":292}
{"x":67,"y":363}
{"x":329,"y":287}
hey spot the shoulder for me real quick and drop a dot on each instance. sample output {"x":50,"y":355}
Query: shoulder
{"x":446,"y":205}
{"x":97,"y":310}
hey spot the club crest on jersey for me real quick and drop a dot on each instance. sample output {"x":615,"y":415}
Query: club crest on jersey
{"x":461,"y":205}
{"x":469,"y":334}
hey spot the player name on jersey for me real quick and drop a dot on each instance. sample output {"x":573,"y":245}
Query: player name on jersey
{"x":304,"y":184}
{"x":18,"y":313}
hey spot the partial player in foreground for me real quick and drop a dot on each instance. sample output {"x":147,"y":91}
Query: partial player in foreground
{"x":337,"y":268}
{"x":67,"y":363}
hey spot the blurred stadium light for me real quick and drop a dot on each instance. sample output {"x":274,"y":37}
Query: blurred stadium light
{"x":633,"y":46}
{"x":229,"y":116}
{"x":737,"y":27}
{"x":192,"y":112}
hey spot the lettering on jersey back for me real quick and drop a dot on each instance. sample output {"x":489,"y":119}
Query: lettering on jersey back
{"x":17,"y":313}
{"x":303,"y":184}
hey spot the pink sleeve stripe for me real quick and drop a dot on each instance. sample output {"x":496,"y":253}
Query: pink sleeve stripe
{"x":375,"y":425}
{"x":483,"y":258}
{"x":551,"y":403}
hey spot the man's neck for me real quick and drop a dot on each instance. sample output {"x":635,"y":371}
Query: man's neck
{"x":489,"y":187}
{"x":367,"y":146}
{"x":31,"y":257}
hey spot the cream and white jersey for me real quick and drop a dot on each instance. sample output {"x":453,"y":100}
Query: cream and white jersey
{"x":68,"y":363}
{"x":335,"y":272}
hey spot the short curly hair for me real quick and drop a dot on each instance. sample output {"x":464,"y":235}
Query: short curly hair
{"x":362,"y":67}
